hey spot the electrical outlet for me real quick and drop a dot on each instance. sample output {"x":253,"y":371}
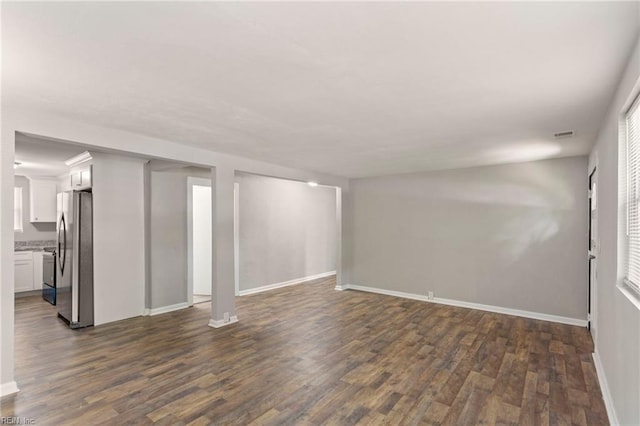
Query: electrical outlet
{"x":430,"y":295}
{"x":226,"y":317}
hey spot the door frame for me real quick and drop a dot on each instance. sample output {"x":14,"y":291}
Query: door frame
{"x":592,"y":257}
{"x":236,"y":236}
{"x":191,"y":181}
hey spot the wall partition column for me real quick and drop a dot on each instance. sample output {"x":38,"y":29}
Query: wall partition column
{"x":223,"y":306}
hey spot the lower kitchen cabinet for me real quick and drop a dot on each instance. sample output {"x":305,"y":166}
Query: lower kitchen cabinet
{"x":28,"y":270}
{"x":23,"y":271}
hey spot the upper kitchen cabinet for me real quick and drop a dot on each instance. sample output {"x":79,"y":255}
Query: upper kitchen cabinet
{"x":81,"y":179}
{"x":42,"y":200}
{"x":80,"y":175}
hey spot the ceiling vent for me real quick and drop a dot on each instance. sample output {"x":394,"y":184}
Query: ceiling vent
{"x":566,"y":134}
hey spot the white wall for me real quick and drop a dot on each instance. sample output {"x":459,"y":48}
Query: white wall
{"x":618,"y":320}
{"x":512,"y":236}
{"x":118,"y":237}
{"x":32,"y":231}
{"x":287,"y":230}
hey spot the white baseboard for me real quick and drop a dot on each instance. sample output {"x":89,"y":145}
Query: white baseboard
{"x":221,"y":323}
{"x":286,"y":283}
{"x":470,"y":305}
{"x":606,"y":393}
{"x":8,"y":388}
{"x":165,"y":309}
{"x":341,"y":287}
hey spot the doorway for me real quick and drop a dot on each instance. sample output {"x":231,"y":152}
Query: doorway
{"x":200,"y":244}
{"x":593,"y":252}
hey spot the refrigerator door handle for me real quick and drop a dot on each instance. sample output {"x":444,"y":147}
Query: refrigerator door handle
{"x":62,"y":243}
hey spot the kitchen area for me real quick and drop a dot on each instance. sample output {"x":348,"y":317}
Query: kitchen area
{"x":103,"y":236}
{"x":86,"y":233}
{"x":53,"y":252}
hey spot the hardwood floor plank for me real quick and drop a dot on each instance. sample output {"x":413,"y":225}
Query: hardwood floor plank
{"x":389,"y":402}
{"x":306,"y":355}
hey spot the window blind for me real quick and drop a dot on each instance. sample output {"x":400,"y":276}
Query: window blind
{"x":17,"y":209}
{"x":633,"y":194}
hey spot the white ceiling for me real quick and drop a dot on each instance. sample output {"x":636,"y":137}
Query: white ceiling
{"x":351,"y":89}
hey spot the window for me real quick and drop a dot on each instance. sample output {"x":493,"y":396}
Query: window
{"x":631,"y":166}
{"x":17,"y":209}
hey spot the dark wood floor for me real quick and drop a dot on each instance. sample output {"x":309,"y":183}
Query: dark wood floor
{"x":306,"y":355}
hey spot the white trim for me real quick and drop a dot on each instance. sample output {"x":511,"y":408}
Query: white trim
{"x":606,"y":393}
{"x":341,"y":287}
{"x":191,"y":181}
{"x":189,"y":240}
{"x":630,"y":293}
{"x":286,"y":283}
{"x":592,"y":264}
{"x":18,"y":209}
{"x":164,"y":309}
{"x":78,"y":159}
{"x":236,"y":237}
{"x":221,"y":323}
{"x":471,"y":305}
{"x":8,"y":388}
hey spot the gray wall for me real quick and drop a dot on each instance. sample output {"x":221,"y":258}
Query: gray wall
{"x":287,"y":230}
{"x":168,"y":235}
{"x":118,"y":237}
{"x":168,"y":238}
{"x":32,"y":231}
{"x":512,"y":236}
{"x":617,"y":319}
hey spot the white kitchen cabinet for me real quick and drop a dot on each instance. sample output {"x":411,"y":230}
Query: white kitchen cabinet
{"x":37,"y":270}
{"x":85,"y":177}
{"x":81,"y":178}
{"x":42,"y":200}
{"x":23,"y":271}
{"x":75,"y":179}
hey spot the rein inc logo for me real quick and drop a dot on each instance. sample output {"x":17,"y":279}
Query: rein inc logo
{"x":17,"y":421}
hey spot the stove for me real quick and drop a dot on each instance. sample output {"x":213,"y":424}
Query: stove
{"x":49,"y":276}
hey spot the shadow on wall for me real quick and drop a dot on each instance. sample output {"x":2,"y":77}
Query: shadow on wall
{"x":529,"y":229}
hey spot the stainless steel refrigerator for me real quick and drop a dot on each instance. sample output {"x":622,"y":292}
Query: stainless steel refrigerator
{"x":74,"y":262}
